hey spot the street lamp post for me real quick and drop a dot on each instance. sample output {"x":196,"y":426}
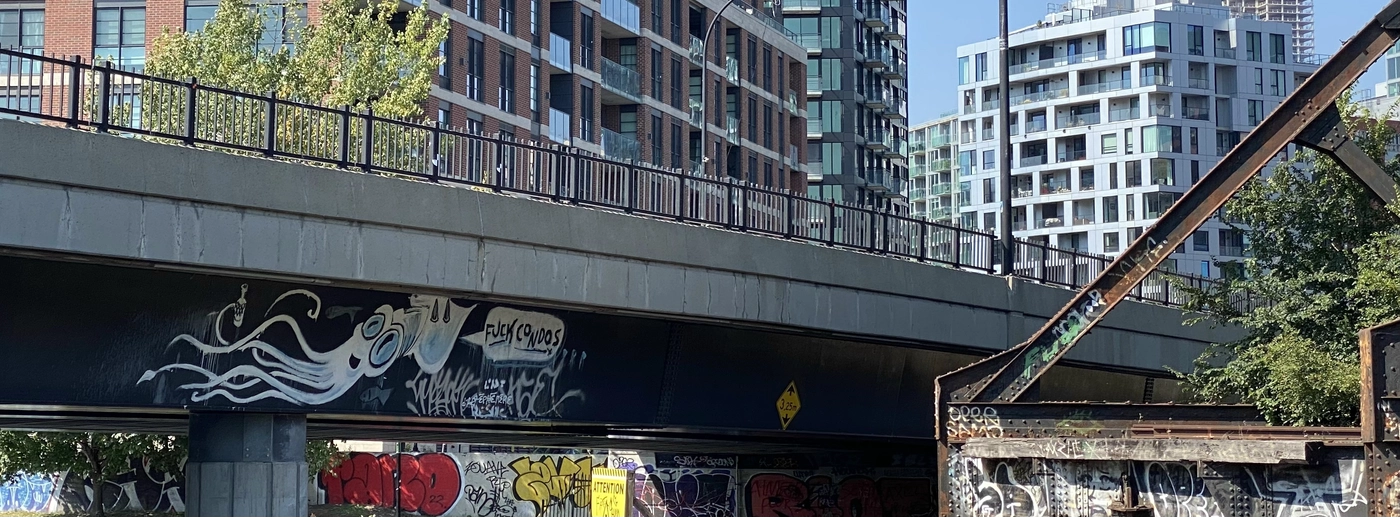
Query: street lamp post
{"x":705,"y":83}
{"x":1008,"y":242}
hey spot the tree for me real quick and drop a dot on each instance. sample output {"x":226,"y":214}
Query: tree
{"x":98,"y":457}
{"x":1325,"y":263}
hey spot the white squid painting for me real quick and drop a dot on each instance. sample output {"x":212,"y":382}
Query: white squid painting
{"x":425,"y":330}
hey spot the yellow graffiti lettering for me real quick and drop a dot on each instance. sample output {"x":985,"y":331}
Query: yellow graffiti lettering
{"x":546,"y":482}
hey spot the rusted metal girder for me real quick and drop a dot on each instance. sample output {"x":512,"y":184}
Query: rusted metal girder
{"x":1308,"y":117}
{"x":1380,"y":416}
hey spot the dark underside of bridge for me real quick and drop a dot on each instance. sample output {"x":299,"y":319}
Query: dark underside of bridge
{"x":107,"y":347}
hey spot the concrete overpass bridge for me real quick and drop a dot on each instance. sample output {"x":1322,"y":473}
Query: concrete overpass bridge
{"x":251,"y":301}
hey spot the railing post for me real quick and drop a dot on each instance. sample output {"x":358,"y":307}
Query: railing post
{"x":1074,"y":270}
{"x":874,"y":231}
{"x":830,"y":223}
{"x":75,"y":93}
{"x":367,"y":152}
{"x":560,"y":170}
{"x":436,"y":143}
{"x":684,"y":195}
{"x":104,"y":109}
{"x":923,"y":240}
{"x":575,"y":174}
{"x":790,"y":217}
{"x":270,"y":145}
{"x":957,"y":247}
{"x":631,"y":187}
{"x":190,"y":105}
{"x":743,"y":207}
{"x":344,"y":162}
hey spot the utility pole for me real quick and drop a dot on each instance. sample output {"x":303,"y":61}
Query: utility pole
{"x":1008,"y":241}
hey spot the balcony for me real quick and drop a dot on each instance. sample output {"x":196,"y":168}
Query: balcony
{"x":1225,"y":52}
{"x":813,"y":42}
{"x":1040,"y":96}
{"x":877,"y":15}
{"x":792,"y":102}
{"x":1071,"y":155}
{"x":1196,"y":113}
{"x":621,"y":80}
{"x":940,"y":214}
{"x":1156,"y":80}
{"x":918,"y":193}
{"x":1081,"y":220}
{"x":895,"y":68}
{"x":1121,"y":114}
{"x":941,"y":189}
{"x":1159,"y":109}
{"x":697,"y":114}
{"x":968,"y":110}
{"x":875,"y":98}
{"x":1072,"y":121}
{"x":731,"y":129}
{"x":1057,"y":61}
{"x":898,"y":147}
{"x":561,"y":53}
{"x":624,"y":14}
{"x":876,"y":57}
{"x":1199,"y":83}
{"x":793,"y":159}
{"x":814,"y":86}
{"x":731,"y":69}
{"x":878,"y":140}
{"x":1110,"y":86}
{"x":620,"y":146}
{"x":802,"y":6}
{"x":943,"y":140}
{"x":814,"y":128}
{"x":1035,"y":126}
{"x":897,"y":29}
{"x":943,"y":165}
{"x":876,"y":179}
{"x":560,"y":126}
{"x":992,"y":104}
{"x":1051,"y":222}
{"x":969,"y":137}
{"x":1033,"y":161}
{"x":989,"y":133}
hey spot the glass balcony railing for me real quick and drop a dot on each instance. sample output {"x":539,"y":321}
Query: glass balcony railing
{"x":1196,"y":113}
{"x":1058,"y":61}
{"x":1225,"y":52}
{"x":793,"y":6}
{"x":731,"y":129}
{"x":1199,"y":83}
{"x":813,"y":42}
{"x":624,"y":13}
{"x":560,"y":126}
{"x":1070,"y":121}
{"x":1160,"y":109}
{"x":731,"y":69}
{"x":940,"y":140}
{"x":814,"y":126}
{"x":620,"y":146}
{"x":1121,"y":114}
{"x":1040,"y":96}
{"x":1109,"y":86}
{"x":561,"y":52}
{"x":940,"y":213}
{"x":1035,"y":126}
{"x":1156,"y":80}
{"x":792,"y":101}
{"x":622,"y":80}
{"x":989,"y":105}
{"x":814,"y":85}
{"x":1071,"y":155}
{"x":697,"y":51}
{"x":943,"y":165}
{"x":1032,"y":161}
{"x":941,"y":189}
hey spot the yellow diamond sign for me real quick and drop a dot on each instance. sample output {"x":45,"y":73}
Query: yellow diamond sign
{"x":788,"y":404}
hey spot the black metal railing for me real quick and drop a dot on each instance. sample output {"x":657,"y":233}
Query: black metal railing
{"x":109,"y":99}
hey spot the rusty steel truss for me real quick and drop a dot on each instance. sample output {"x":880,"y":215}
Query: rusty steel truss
{"x":1000,"y":448}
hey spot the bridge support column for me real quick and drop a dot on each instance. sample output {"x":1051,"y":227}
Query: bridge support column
{"x":246,"y":465}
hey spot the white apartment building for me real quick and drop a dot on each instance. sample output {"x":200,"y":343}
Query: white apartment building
{"x":933,"y":151}
{"x":1118,"y":107}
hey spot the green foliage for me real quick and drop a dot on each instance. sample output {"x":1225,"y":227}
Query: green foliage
{"x":1324,"y":263}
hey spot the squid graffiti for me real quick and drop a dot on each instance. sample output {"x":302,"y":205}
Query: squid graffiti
{"x":426,"y":330}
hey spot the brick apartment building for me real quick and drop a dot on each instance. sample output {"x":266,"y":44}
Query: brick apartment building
{"x":615,"y":77}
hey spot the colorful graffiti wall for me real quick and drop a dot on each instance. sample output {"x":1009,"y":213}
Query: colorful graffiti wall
{"x":1044,"y":488}
{"x":138,"y":489}
{"x":436,"y":481}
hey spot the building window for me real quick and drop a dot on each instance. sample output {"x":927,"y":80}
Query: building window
{"x":1147,"y":37}
{"x":1256,"y":112}
{"x":676,"y":146}
{"x":473,"y":9}
{"x":964,"y":70}
{"x":1163,"y":171}
{"x":444,"y":116}
{"x":1110,"y":143}
{"x":981,"y":69}
{"x":506,"y":96}
{"x":676,"y":33}
{"x":1253,"y":46}
{"x":767,"y":125}
{"x":753,"y":61}
{"x":586,"y":41}
{"x":1133,"y":171}
{"x":1195,"y":172}
{"x":280,"y":23}
{"x":657,"y":73}
{"x":753,"y":119}
{"x":1276,"y":49}
{"x":767,"y":68}
{"x":989,"y":159}
{"x":656,"y":138}
{"x":1110,"y":242}
{"x":1161,"y":139}
{"x":444,"y":77}
{"x":1131,"y":202}
{"x":22,"y":30}
{"x":677,"y":98}
{"x":989,"y":193}
{"x":506,"y":16}
{"x":476,"y":64}
{"x":1200,"y":241}
{"x":1196,"y":40}
{"x":830,"y":32}
{"x":1279,"y":84}
{"x":196,"y":16}
{"x":1205,"y":268}
{"x":535,"y":88}
{"x":535,"y":21}
{"x":1258,"y":81}
{"x":585,"y":106}
{"x":1110,"y":209}
{"x":120,"y":36}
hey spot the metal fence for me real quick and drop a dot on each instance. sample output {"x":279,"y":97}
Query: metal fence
{"x":108,"y":99}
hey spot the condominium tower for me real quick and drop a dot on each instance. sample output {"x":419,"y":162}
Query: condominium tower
{"x":933,"y":151}
{"x":1296,"y":13}
{"x":858,"y":101}
{"x":621,"y":78}
{"x":1116,"y":112}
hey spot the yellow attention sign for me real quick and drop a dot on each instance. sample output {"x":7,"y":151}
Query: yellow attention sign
{"x":788,"y":404}
{"x":609,"y":488}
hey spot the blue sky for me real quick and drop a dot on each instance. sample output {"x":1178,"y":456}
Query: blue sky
{"x":937,"y":27}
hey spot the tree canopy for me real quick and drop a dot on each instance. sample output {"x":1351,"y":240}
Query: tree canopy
{"x":1324,"y":264}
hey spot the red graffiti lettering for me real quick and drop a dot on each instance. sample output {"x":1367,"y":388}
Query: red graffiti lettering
{"x":429,"y":483}
{"x":781,"y":495}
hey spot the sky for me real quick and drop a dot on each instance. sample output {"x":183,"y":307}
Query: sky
{"x":938,"y":27}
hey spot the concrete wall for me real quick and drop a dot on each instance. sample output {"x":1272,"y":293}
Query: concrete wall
{"x":81,"y":193}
